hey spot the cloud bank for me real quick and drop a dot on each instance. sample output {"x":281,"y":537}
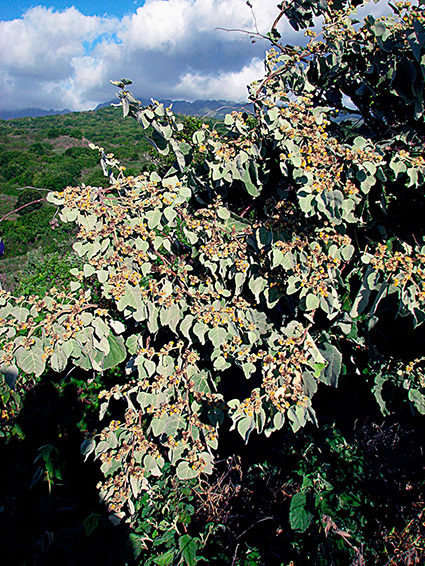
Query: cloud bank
{"x":169,"y":48}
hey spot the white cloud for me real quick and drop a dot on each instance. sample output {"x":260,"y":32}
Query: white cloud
{"x":234,"y":84}
{"x":169,"y":48}
{"x":38,"y":52}
{"x":45,"y":40}
{"x":156,"y":26}
{"x":173,"y":48}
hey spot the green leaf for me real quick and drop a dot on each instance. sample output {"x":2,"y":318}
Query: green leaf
{"x":362,"y":300}
{"x":249,"y":185}
{"x":245,"y":427}
{"x":330,"y":203}
{"x":309,"y":384}
{"x":217,"y":336}
{"x":154,"y":217}
{"x":299,"y":516}
{"x":153,"y":318}
{"x":380,"y":383}
{"x":220,"y":363}
{"x":31,"y":360}
{"x":418,"y":400}
{"x":185,"y":472}
{"x":263,"y":237}
{"x":102,"y":275}
{"x":223,"y":213}
{"x":170,"y":214}
{"x":88,"y":270}
{"x":248,"y":369}
{"x":20,"y":313}
{"x":87,"y":447}
{"x":347,"y":252}
{"x":59,"y":358}
{"x":100,"y":327}
{"x":359,"y":142}
{"x":165,"y":559}
{"x":273,"y":296}
{"x":186,"y":325}
{"x":131,"y":298}
{"x":278,"y":420}
{"x":170,"y":316}
{"x":188,"y":547}
{"x":150,"y":367}
{"x":117,"y":326}
{"x":117,"y":352}
{"x":137,"y":541}
{"x":90,"y":524}
{"x":132,"y":343}
{"x":277,"y":257}
{"x":191,"y":236}
{"x":312,"y":302}
{"x":257,"y":285}
{"x":332,"y":370}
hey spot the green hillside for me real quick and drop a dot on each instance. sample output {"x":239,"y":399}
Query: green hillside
{"x":50,"y":153}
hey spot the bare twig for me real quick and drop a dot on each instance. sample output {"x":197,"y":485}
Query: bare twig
{"x":234,"y":555}
{"x":253,"y":34}
{"x":281,"y":13}
{"x":21,"y":207}
{"x":248,"y":3}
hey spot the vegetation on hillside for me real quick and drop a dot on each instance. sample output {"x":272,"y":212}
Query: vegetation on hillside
{"x":38,"y":155}
{"x":241,"y":345}
{"x":52,"y":152}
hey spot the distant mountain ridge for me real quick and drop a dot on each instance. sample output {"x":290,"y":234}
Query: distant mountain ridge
{"x":198,"y":108}
{"x":30,"y":113}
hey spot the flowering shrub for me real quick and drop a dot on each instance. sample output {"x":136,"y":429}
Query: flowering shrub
{"x":259,"y":266}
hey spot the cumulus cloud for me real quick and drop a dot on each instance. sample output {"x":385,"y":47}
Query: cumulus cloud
{"x":169,"y":48}
{"x":233,"y":84}
{"x":38,"y":53}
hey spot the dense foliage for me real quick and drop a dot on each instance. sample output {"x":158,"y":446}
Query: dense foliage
{"x":220,"y":296}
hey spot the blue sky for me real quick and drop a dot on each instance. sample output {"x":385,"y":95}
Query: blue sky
{"x":9,"y":9}
{"x":62,"y":54}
